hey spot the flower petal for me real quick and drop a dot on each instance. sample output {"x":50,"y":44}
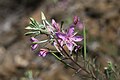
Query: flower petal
{"x":61,"y":35}
{"x":77,"y":38}
{"x":32,"y":39}
{"x":69,"y":46}
{"x":53,"y":22}
{"x":34,"y":46}
{"x":55,"y":25}
{"x":44,"y":55}
{"x":43,"y":52}
{"x":75,"y":20}
{"x":70,"y":31}
{"x":61,"y":42}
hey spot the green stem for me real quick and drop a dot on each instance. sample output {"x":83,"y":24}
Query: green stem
{"x":84,"y":34}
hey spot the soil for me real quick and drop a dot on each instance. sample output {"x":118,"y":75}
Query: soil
{"x":101,"y":18}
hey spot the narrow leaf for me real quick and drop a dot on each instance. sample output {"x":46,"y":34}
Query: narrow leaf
{"x":32,"y":32}
{"x":43,"y":16}
{"x":30,"y":28}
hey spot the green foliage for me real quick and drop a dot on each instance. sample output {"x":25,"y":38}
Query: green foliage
{"x":35,"y":28}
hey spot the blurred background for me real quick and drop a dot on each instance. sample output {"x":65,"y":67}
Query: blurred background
{"x":101,"y":18}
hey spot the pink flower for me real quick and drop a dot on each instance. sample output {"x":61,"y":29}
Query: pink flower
{"x":34,"y":45}
{"x":55,"y":25}
{"x":60,"y":41}
{"x":43,"y":52}
{"x":69,"y":38}
{"x":77,"y":22}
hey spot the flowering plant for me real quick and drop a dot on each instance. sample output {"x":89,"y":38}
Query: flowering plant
{"x":69,"y":45}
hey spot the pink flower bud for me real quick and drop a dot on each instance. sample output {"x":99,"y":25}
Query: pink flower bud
{"x":43,"y":52}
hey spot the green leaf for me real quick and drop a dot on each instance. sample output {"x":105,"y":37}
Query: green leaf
{"x":43,"y":16}
{"x":32,"y":32}
{"x":34,"y":23}
{"x":30,"y":28}
{"x":40,"y":41}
